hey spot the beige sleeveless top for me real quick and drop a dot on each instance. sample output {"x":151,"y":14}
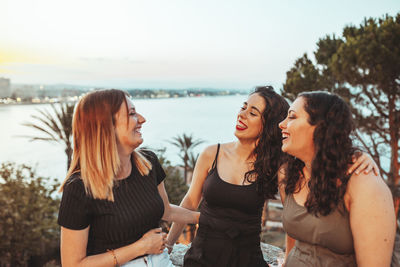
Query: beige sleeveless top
{"x":320,"y":241}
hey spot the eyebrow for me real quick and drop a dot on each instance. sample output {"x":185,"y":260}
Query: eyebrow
{"x":252,"y":107}
{"x":291,"y":110}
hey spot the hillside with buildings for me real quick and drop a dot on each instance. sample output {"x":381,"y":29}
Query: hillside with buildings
{"x":34,"y":93}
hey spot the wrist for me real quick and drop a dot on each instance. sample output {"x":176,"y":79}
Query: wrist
{"x":142,"y":246}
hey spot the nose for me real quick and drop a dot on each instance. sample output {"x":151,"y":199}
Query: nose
{"x":242,"y":113}
{"x":282,"y":124}
{"x":141,"y":119}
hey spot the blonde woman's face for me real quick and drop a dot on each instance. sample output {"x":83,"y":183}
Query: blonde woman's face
{"x":128,"y":125}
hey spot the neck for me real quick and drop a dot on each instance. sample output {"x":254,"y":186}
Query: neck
{"x":307,"y":171}
{"x":244,"y":149}
{"x":126,"y":164}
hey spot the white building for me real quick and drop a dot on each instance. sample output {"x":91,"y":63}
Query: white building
{"x":5,"y":88}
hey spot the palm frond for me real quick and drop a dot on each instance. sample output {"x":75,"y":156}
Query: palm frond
{"x":52,"y":137}
{"x":56,"y":126}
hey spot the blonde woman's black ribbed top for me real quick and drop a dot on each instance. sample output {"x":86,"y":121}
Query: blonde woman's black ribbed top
{"x":136,"y":209}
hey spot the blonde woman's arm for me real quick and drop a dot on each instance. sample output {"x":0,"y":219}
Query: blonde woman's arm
{"x":193,"y":196}
{"x":74,"y":243}
{"x":372,"y":219}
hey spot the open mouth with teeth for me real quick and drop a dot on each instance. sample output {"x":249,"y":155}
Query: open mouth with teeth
{"x":285,"y":136}
{"x":241,"y":126}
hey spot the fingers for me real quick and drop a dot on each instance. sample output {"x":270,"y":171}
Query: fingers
{"x":163,"y":242}
{"x":156,"y":240}
{"x":376,"y":170}
{"x":364,"y":163}
{"x":368,"y":169}
{"x":361,"y":167}
{"x":357,"y":161}
{"x":169,"y":247}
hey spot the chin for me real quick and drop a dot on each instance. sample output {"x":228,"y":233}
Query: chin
{"x":138,"y":142}
{"x":236,"y":133}
{"x":286,"y":150}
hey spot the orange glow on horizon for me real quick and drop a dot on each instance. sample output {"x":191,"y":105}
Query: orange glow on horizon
{"x":20,"y":54}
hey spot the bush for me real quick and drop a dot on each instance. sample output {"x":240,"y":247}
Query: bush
{"x":28,"y":217}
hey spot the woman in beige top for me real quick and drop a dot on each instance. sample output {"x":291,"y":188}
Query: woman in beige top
{"x":332,"y":217}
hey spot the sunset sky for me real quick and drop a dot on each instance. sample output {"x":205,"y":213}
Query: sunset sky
{"x":168,"y":44}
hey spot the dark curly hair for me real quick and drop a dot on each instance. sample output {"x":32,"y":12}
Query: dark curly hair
{"x":269,"y":156}
{"x":333,"y":153}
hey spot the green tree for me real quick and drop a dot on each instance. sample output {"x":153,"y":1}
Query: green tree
{"x":303,"y":76}
{"x":363,"y":66}
{"x":174,"y":183}
{"x":185,"y":143}
{"x":56,"y":126}
{"x":28,"y":216}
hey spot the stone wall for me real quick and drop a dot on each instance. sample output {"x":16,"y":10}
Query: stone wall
{"x":273,"y":255}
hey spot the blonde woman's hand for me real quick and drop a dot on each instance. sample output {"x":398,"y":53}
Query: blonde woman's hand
{"x":169,"y":247}
{"x":154,"y":241}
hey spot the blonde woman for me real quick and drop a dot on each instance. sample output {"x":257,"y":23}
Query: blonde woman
{"x":114,"y":196}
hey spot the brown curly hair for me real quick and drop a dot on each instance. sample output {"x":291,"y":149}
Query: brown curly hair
{"x":333,"y":153}
{"x":269,"y":156}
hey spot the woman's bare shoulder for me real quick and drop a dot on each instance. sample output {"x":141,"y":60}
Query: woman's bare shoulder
{"x":368,"y":185}
{"x":210,"y":151}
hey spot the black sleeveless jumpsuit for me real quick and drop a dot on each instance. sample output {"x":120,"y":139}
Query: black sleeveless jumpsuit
{"x":229,"y":225}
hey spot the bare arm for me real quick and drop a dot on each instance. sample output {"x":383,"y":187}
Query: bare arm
{"x":289,"y":245}
{"x":193,"y":196}
{"x":372,"y":219}
{"x":173,"y":213}
{"x":281,"y":176}
{"x":74,"y":243}
{"x":281,"y":185}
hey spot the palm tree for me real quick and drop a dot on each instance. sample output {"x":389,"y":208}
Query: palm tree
{"x":192,"y":163}
{"x":186,"y":143}
{"x":192,"y":160}
{"x":56,"y":126}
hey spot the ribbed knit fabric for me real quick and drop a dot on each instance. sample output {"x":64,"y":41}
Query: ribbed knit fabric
{"x":136,"y":209}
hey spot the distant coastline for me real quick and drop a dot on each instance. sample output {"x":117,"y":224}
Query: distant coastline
{"x":40,"y":95}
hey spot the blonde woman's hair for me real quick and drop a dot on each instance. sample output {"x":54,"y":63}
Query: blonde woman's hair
{"x":95,"y":153}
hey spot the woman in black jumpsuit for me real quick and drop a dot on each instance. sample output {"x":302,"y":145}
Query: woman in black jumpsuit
{"x":234,"y":179}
